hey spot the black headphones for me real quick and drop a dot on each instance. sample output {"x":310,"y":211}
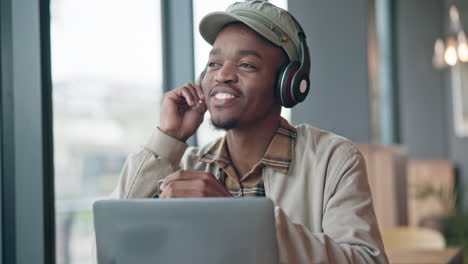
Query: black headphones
{"x":292,"y":83}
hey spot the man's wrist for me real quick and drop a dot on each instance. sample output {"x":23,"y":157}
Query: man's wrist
{"x":174,"y":134}
{"x":166,"y":146}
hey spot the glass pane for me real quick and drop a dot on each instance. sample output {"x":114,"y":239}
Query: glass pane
{"x":107,"y":87}
{"x":280,"y":3}
{"x":206,"y":133}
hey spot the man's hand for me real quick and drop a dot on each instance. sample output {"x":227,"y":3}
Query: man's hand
{"x":182,"y":111}
{"x":184,"y":184}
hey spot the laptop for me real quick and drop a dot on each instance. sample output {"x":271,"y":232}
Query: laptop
{"x":182,"y":231}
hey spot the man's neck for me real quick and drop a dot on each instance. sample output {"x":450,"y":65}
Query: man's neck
{"x":248,"y":145}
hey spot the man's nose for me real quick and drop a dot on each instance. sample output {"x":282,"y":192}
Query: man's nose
{"x":226,"y":74}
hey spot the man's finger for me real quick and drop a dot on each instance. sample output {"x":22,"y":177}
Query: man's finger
{"x":187,"y":94}
{"x":178,"y":194}
{"x":181,"y":175}
{"x":191,"y":88}
{"x":199,"y":104}
{"x":180,"y":188}
{"x":194,"y":188}
{"x":199,"y":90}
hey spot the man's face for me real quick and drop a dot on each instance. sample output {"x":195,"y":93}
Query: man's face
{"x":241,"y":76}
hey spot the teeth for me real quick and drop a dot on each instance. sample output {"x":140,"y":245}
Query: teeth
{"x":223,"y":96}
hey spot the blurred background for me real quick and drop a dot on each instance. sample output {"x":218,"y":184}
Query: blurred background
{"x":391,"y":75}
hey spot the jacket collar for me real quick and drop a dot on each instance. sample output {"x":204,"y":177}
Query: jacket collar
{"x":278,"y":155}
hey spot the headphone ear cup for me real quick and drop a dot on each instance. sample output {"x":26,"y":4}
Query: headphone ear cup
{"x":300,"y":85}
{"x":279,"y":83}
{"x":284,"y":87}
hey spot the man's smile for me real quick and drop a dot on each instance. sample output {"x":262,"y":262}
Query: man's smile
{"x":223,"y":96}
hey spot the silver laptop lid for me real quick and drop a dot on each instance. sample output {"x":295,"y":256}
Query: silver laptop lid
{"x":196,"y":231}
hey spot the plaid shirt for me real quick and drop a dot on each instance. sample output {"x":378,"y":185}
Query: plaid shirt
{"x":278,"y":156}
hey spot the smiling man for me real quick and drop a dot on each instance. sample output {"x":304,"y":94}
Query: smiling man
{"x":317,"y":180}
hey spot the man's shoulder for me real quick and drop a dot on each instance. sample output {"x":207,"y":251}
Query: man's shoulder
{"x":321,"y":141}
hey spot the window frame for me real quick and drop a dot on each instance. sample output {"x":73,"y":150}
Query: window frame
{"x":178,"y":46}
{"x":27,"y":204}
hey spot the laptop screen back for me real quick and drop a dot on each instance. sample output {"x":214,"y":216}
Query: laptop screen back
{"x":196,"y":231}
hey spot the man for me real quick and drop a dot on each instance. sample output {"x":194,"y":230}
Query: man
{"x":316,"y":179}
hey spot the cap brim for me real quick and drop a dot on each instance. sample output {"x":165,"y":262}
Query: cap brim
{"x":214,"y":22}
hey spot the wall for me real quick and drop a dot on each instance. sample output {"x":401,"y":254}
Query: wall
{"x":337,"y":37}
{"x":425,"y":93}
{"x":458,"y":147}
{"x":423,"y":127}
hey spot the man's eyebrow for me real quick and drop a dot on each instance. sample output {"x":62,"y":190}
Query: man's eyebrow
{"x":240,"y":52}
{"x":214,"y":51}
{"x":250,"y":53}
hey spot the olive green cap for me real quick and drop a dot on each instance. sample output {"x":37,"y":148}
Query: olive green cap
{"x":268,"y":20}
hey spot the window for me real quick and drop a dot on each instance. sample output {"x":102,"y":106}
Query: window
{"x":107,"y":87}
{"x":206,"y":132}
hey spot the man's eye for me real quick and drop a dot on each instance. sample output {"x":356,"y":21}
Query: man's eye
{"x":213,"y":64}
{"x":246,"y":65}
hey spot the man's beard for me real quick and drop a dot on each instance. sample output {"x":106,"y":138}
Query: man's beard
{"x":225,"y":126}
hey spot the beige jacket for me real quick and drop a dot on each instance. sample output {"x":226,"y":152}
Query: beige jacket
{"x":323,"y":212}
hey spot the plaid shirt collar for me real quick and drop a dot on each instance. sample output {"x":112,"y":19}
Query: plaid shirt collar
{"x":278,"y":155}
